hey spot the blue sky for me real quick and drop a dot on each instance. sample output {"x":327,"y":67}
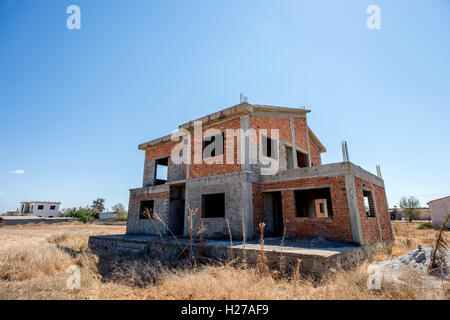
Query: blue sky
{"x":74,"y":104}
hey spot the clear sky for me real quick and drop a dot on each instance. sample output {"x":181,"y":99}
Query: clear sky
{"x":75,"y":104}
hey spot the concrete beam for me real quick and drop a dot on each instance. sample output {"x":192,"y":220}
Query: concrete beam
{"x":365,"y":175}
{"x":335,"y":169}
{"x":300,"y":188}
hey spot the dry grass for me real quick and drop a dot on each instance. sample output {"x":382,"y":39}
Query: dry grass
{"x":229,"y":283}
{"x":74,"y":242}
{"x":30,"y":234}
{"x":407,"y":237}
{"x":37,"y":271}
{"x":32,"y":262}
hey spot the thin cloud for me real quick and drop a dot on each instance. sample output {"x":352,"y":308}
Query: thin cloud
{"x":18,"y":171}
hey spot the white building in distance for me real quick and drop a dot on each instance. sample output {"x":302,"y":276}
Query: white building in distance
{"x":439,"y":208}
{"x":107,"y":215}
{"x":39,"y":209}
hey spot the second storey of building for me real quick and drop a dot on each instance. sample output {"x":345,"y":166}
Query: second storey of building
{"x":245,"y":137}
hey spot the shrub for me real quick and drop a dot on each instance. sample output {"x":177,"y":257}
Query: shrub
{"x":425,"y":226}
{"x":122,"y":216}
{"x":83,"y":214}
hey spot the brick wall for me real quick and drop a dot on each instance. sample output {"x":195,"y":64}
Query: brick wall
{"x":160,"y":151}
{"x":383,"y":209}
{"x":300,"y":133}
{"x":202,"y":170}
{"x":369,"y":225}
{"x":336,"y":228}
{"x":284,"y":127}
{"x":315,"y":155}
{"x":151,"y":196}
{"x":161,"y":207}
{"x":282,"y":124}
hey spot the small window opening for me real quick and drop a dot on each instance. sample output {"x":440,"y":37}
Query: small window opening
{"x":162,"y":168}
{"x":268,"y":147}
{"x":40,"y":207}
{"x":313,"y":203}
{"x":368,"y":203}
{"x":302,"y":159}
{"x":146,"y":209}
{"x":52,"y":207}
{"x":321,"y":208}
{"x":213,"y":205}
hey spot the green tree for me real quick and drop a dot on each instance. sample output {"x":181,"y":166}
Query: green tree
{"x":98,"y":205}
{"x":409,"y":207}
{"x":122,"y":213}
{"x":65,"y":212}
{"x":83,"y":214}
{"x":118,"y":208}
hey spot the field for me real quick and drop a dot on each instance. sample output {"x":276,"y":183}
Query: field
{"x":34,"y":260}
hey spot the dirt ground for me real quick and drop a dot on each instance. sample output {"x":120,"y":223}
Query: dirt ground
{"x":34,"y":262}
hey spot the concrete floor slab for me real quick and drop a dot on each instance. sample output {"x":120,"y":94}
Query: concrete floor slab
{"x":315,"y":247}
{"x":316,"y":256}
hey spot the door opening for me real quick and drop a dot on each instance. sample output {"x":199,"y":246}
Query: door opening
{"x":273,"y":214}
{"x":176,"y":209}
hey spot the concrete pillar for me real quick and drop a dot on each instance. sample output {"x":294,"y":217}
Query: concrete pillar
{"x":247,"y":205}
{"x":353,"y":210}
{"x":307,"y":137}
{"x":245,"y":145}
{"x":294,"y":144}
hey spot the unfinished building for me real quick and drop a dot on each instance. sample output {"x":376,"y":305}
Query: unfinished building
{"x":303,"y":197}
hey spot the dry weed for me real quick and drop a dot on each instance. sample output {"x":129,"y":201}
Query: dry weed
{"x":31,"y":262}
{"x":38,"y":272}
{"x":262,"y":259}
{"x":75,"y":242}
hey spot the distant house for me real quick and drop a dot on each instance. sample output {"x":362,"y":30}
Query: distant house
{"x":423,"y":214}
{"x":39,"y":209}
{"x":439,"y":208}
{"x":107,"y":215}
{"x":420,"y":214}
{"x":395,"y":213}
